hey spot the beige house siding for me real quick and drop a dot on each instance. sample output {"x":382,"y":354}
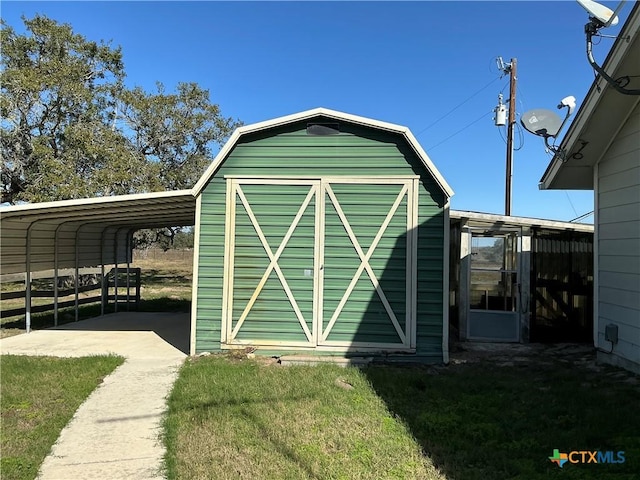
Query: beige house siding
{"x":618,"y":249}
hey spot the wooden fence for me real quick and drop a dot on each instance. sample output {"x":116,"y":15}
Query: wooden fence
{"x":103,"y":286}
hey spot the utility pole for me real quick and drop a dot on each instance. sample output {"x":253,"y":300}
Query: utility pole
{"x":511,"y":68}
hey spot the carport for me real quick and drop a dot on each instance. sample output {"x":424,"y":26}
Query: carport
{"x":91,"y":232}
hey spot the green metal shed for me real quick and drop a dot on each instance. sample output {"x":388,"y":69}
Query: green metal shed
{"x":322,"y":233}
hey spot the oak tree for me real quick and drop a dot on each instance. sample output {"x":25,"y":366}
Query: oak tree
{"x":70,"y":128}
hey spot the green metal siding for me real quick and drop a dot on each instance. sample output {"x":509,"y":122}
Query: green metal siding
{"x":272,"y":317}
{"x":430,"y":273}
{"x":364,"y":317}
{"x":210,"y":268}
{"x":356,"y":151}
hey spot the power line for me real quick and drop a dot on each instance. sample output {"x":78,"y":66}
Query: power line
{"x":569,"y":198}
{"x":521,"y":96}
{"x":458,"y":106}
{"x":582,"y":217}
{"x":520,"y":137}
{"x":461,"y":130}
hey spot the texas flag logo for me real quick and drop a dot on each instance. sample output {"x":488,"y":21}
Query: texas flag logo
{"x":559,"y":458}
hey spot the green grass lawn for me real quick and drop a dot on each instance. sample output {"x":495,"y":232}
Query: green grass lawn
{"x":231,"y":418}
{"x":482,"y":421}
{"x":39,"y":397}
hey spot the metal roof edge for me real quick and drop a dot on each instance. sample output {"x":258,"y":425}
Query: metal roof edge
{"x":27,"y":207}
{"x":550,"y":173}
{"x":524,"y":221}
{"x":614,"y":57}
{"x":256,"y":127}
{"x":426,"y":160}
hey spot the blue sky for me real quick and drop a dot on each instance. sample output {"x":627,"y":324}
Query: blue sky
{"x":426,"y":65}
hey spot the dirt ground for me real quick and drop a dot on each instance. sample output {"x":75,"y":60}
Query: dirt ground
{"x":512,"y":354}
{"x":508,"y":354}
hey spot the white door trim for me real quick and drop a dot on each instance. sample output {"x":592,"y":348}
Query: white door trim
{"x":234,"y":189}
{"x":320,"y":188}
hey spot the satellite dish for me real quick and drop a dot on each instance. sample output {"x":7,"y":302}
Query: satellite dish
{"x":546,"y":123}
{"x":601,"y":13}
{"x":541,"y":122}
{"x":602,"y":17}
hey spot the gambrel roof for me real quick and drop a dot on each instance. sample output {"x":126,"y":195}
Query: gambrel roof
{"x":327,"y":114}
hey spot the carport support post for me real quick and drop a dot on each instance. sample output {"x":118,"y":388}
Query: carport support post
{"x":77,"y":254}
{"x":27,"y":298}
{"x":105,"y":285}
{"x":27,"y":283}
{"x":55,"y":276}
{"x":465,"y":265}
{"x":446,"y":265}
{"x":524,"y":283}
{"x":115,"y":271}
{"x":137,"y":270}
{"x":128,"y":266}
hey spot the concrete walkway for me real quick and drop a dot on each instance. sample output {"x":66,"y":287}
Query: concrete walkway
{"x":115,"y":432}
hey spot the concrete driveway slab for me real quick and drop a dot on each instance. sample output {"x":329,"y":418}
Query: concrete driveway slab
{"x":115,"y":433}
{"x":132,"y":335}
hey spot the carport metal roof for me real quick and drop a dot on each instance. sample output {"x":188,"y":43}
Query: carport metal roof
{"x":496,"y":221}
{"x":85,"y":232}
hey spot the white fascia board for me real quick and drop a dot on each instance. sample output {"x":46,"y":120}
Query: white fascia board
{"x":217,"y":161}
{"x":579,"y":123}
{"x":550,"y":174}
{"x":276,"y":122}
{"x":428,"y":163}
{"x":575,"y":131}
{"x":43,"y":207}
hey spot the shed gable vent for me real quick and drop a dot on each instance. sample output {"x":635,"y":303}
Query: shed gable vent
{"x":323,"y":128}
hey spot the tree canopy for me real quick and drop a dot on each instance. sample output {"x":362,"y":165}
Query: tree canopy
{"x":72,"y":129}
